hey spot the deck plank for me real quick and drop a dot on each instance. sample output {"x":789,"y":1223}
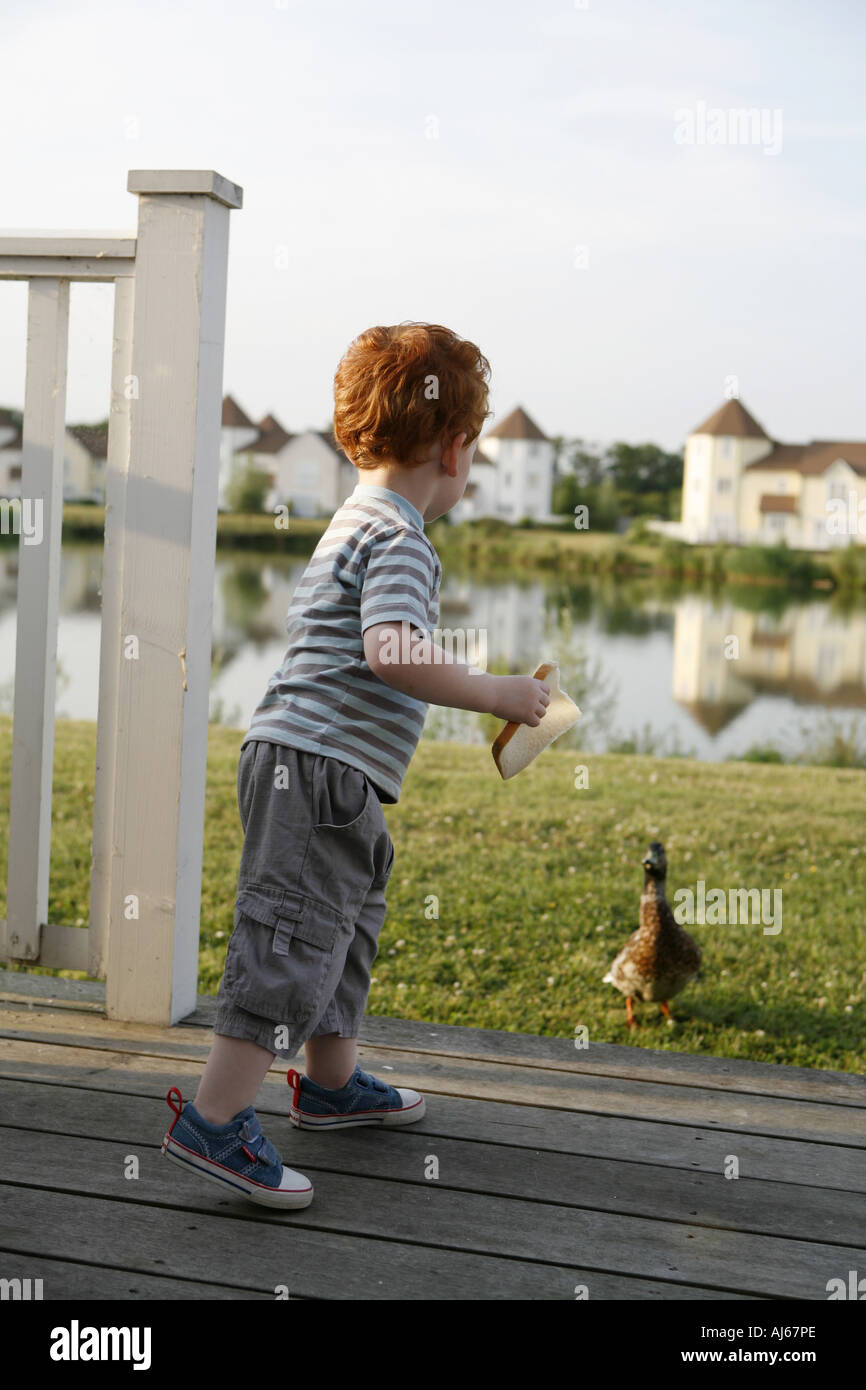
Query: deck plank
{"x":489,"y":1080}
{"x":684,"y":1147}
{"x":65,"y":1280}
{"x":631,"y":1188}
{"x":472,"y":1223}
{"x":312,"y":1263}
{"x":630,"y":1059}
{"x":613,"y":1156}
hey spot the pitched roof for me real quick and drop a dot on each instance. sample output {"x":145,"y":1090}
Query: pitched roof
{"x":813,"y":458}
{"x":480,"y":457}
{"x":233,"y":417}
{"x":517,"y":425}
{"x":94,"y":439}
{"x":271,"y":438}
{"x":733,"y":419}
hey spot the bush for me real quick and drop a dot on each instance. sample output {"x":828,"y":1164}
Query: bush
{"x":490,"y":526}
{"x":718,"y":563}
{"x":759,"y":753}
{"x":247,"y":490}
{"x":773,"y":562}
{"x":673,"y":555}
{"x":849,"y":566}
{"x":639,"y":533}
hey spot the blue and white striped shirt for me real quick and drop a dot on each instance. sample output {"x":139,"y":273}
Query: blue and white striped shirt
{"x":374,"y":564}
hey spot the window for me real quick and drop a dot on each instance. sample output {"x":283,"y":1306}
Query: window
{"x":506,"y":478}
{"x":532,"y":479}
{"x":723,"y":485}
{"x":781,"y":483}
{"x":727,"y":449}
{"x":14,"y":472}
{"x":836,"y":488}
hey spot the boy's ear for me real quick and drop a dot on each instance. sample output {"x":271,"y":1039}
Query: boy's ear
{"x":451,"y":453}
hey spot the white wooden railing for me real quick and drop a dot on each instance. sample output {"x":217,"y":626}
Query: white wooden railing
{"x":157,"y":591}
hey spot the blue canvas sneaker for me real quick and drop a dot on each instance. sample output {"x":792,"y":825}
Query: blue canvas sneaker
{"x":364,"y":1100}
{"x":237,"y":1155}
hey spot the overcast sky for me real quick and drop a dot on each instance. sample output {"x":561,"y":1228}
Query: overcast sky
{"x":613,"y":274}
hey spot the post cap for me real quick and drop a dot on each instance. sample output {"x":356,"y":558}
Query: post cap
{"x":206,"y":181}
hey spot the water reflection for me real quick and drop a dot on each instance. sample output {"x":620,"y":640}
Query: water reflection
{"x":710,"y":676}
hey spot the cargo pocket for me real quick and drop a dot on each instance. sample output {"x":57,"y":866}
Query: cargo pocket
{"x":340,"y":862}
{"x":285,"y":950}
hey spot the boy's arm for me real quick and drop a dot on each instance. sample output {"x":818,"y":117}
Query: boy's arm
{"x":406,"y":658}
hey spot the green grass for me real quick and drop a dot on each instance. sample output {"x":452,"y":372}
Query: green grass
{"x":538,"y":886}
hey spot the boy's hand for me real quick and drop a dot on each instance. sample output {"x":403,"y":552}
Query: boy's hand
{"x":521,"y":699}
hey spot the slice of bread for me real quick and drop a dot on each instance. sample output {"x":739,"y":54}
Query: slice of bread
{"x":519,"y":744}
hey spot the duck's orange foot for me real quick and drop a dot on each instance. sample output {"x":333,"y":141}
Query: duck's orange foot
{"x":630,"y":1020}
{"x":666,"y":1011}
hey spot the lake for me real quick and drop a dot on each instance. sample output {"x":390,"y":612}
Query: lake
{"x":666,"y":671}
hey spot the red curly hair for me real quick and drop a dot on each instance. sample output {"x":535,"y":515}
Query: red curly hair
{"x":398,"y":390}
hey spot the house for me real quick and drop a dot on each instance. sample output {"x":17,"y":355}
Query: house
{"x":308,"y":470}
{"x":312,"y":472}
{"x":84,"y":463}
{"x":740,"y":485}
{"x":511,"y":476}
{"x":84,"y":454}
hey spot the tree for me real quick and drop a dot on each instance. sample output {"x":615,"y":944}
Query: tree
{"x":644,"y":468}
{"x":247,"y":489}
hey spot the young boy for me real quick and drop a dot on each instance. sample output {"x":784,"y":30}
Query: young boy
{"x":330,"y":742}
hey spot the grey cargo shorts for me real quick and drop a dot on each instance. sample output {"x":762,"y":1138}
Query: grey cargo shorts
{"x":310,"y":903}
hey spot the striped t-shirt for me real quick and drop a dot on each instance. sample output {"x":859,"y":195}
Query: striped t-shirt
{"x":374,"y":564}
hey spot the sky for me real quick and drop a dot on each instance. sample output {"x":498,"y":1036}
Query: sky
{"x":562,"y":183}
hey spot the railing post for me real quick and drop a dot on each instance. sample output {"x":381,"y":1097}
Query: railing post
{"x":116,"y":470}
{"x":36,"y":633}
{"x":161,"y":664}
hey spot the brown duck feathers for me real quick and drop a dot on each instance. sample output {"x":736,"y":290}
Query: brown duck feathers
{"x":660,"y":958}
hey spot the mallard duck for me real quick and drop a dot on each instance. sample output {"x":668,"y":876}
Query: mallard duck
{"x":659,"y":959}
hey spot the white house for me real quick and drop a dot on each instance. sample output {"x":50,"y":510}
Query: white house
{"x":84,"y":455}
{"x":511,"y":476}
{"x":238,"y":431}
{"x":308,"y":470}
{"x":740,"y":485}
{"x":312,"y":472}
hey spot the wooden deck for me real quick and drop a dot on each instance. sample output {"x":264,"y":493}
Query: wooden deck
{"x":557,"y":1168}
